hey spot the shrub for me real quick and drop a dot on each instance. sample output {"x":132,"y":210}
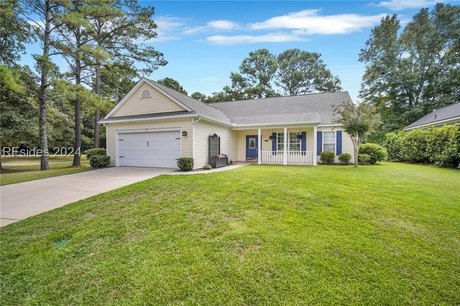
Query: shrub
{"x":327,"y":157}
{"x":207,"y":167}
{"x":376,"y":152}
{"x":99,"y":161}
{"x":364,"y":159}
{"x":95,"y":151}
{"x":185,"y":163}
{"x":344,"y":158}
{"x":436,"y":145}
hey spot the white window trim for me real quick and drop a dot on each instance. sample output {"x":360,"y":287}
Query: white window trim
{"x":288,"y":142}
{"x":334,"y":143}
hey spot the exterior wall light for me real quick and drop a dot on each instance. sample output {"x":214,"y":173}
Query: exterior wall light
{"x":184,"y":133}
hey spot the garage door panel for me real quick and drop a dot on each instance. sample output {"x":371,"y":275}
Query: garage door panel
{"x":149,"y":149}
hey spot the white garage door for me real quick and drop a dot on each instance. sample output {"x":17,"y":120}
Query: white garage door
{"x":149,"y":149}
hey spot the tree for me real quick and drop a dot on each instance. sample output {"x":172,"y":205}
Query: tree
{"x":257,"y":72}
{"x":409,"y":74}
{"x":46,"y":22}
{"x":302,"y":72}
{"x":119,"y":29}
{"x":199,"y":96}
{"x":14,"y":32}
{"x":173,"y":84}
{"x":357,"y":121}
{"x":17,"y":89}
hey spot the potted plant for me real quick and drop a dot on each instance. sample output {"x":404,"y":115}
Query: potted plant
{"x":219,"y":160}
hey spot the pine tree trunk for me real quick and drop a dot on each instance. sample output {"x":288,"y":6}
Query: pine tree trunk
{"x":96,"y":128}
{"x":77,"y":142}
{"x":42,"y":121}
{"x":98,"y":92}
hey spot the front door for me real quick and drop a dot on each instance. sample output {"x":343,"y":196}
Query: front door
{"x":251,"y":147}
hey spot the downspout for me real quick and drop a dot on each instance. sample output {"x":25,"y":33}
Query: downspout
{"x":194,"y":121}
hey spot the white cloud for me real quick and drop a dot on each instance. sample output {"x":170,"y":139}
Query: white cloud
{"x":220,"y":25}
{"x":168,"y":28}
{"x":398,"y":5}
{"x":308,"y":22}
{"x":247,"y":39}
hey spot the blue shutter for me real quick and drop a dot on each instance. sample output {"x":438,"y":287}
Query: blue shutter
{"x":273,"y":143}
{"x":319,"y":140}
{"x":303,"y":142}
{"x":338,"y":142}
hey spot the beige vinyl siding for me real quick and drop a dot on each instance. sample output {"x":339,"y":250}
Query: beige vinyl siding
{"x":157,"y":103}
{"x":172,"y":124}
{"x":267,"y":142}
{"x":347,"y":144}
{"x":227,"y":141}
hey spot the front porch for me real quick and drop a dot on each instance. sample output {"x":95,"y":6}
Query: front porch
{"x":283,"y":146}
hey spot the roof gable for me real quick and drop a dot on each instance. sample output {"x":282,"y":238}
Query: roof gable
{"x":146,"y":99}
{"x":448,"y":112}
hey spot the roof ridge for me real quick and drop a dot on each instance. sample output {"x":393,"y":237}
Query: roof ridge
{"x":278,"y":97}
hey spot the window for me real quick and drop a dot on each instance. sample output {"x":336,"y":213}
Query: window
{"x":329,"y":141}
{"x":294,"y":140}
{"x":145,"y":94}
{"x":252,"y":143}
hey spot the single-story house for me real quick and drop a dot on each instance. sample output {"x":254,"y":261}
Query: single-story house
{"x":439,"y":117}
{"x":154,"y":125}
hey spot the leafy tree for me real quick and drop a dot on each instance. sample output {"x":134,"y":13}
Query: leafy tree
{"x":302,"y":72}
{"x":117,"y":79}
{"x":409,"y":74}
{"x":199,"y":96}
{"x":17,"y":90}
{"x":14,"y":32}
{"x":357,"y":120}
{"x":173,"y":84}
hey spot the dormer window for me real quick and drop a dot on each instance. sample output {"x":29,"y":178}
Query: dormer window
{"x":145,"y":94}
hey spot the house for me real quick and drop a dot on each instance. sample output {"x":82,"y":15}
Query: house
{"x":439,"y":117}
{"x":154,"y":125}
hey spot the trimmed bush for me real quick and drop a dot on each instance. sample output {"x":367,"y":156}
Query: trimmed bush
{"x":185,"y":163}
{"x":364,"y":159}
{"x":327,"y":157}
{"x":99,"y":161}
{"x":207,"y":167}
{"x":436,"y":145}
{"x":95,"y":151}
{"x":344,"y":158}
{"x":376,"y":152}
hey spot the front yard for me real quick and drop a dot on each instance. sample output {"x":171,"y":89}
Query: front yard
{"x":23,"y":169}
{"x":386,"y":234}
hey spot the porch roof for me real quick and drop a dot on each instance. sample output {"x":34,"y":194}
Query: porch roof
{"x":304,"y":118}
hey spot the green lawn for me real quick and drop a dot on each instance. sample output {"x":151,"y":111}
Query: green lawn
{"x":377,"y":235}
{"x":23,"y":169}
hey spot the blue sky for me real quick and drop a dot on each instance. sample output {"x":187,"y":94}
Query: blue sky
{"x":205,"y":41}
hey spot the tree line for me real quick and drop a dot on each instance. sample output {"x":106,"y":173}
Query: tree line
{"x":91,"y":51}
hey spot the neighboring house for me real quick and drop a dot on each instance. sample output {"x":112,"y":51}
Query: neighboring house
{"x":439,"y":117}
{"x":154,"y":125}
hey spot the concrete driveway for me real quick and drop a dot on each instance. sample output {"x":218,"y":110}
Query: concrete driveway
{"x":22,"y":200}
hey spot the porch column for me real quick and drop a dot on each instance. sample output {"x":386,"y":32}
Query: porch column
{"x":259,"y":146}
{"x":285,"y":147}
{"x":315,"y":143}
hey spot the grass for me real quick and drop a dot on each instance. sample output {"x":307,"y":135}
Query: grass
{"x":23,"y":169}
{"x":386,"y":234}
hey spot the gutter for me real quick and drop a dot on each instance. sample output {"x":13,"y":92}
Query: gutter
{"x":105,"y":121}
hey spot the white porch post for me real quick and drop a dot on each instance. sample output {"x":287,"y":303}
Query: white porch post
{"x":285,"y":147}
{"x":259,"y":146}
{"x":315,"y":144}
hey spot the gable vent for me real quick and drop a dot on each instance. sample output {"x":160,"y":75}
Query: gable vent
{"x":145,"y":94}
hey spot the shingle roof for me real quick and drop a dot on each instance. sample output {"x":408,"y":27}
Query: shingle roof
{"x":198,"y":107}
{"x":310,"y":108}
{"x":304,"y":109}
{"x":449,"y":112}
